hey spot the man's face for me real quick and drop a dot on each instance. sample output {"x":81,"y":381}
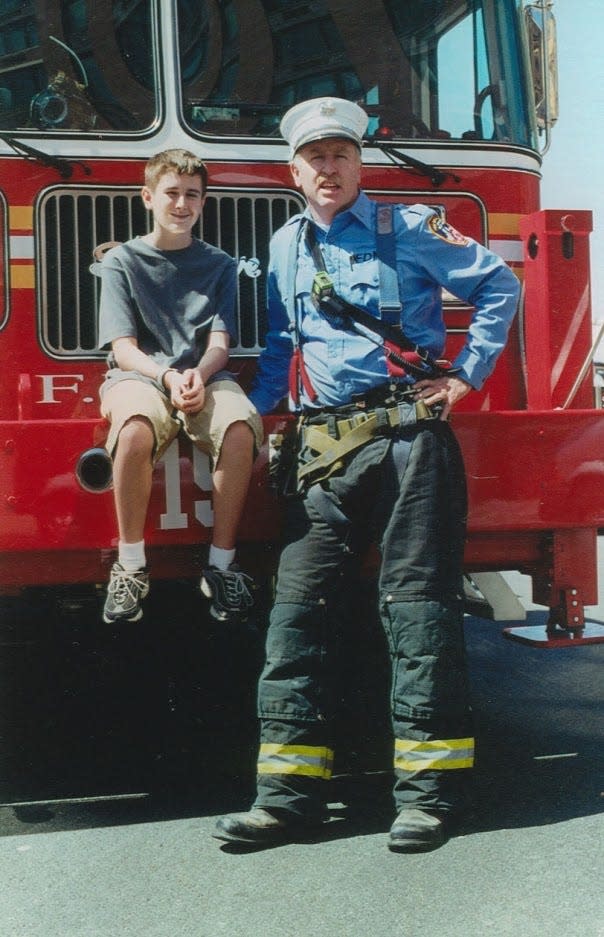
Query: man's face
{"x":329,"y":174}
{"x":176,"y":203}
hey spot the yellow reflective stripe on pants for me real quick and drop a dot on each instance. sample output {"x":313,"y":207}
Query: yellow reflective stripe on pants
{"x":436,"y":754}
{"x":310,"y":760}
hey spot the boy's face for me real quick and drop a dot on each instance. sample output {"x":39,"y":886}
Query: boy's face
{"x":176,"y":202}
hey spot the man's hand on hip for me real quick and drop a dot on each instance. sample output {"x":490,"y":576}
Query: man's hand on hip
{"x":447,"y":390}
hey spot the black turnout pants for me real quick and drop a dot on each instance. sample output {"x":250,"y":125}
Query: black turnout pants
{"x":407,"y":493}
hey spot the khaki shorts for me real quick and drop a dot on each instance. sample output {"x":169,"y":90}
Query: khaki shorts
{"x":225,"y":404}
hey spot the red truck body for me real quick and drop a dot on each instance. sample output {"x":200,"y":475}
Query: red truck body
{"x":533,"y":439}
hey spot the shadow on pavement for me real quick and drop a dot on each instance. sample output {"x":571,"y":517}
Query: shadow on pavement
{"x":540,"y":729}
{"x":162,"y":714}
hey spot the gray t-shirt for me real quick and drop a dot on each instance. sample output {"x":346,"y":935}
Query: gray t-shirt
{"x":168,"y":301}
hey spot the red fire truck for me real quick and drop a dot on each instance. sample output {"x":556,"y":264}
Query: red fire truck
{"x":461,"y":96}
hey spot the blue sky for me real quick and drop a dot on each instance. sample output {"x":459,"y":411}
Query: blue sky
{"x":574,"y":165}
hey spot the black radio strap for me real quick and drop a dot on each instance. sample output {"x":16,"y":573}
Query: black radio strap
{"x":328,"y":301}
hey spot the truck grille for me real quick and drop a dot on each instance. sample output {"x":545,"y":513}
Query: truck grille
{"x":72,"y":222}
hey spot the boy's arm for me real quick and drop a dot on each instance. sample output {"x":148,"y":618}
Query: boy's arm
{"x":129,"y":357}
{"x":188,"y":390}
{"x":216,"y":355}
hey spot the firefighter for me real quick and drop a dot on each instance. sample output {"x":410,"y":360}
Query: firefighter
{"x":376,"y":460}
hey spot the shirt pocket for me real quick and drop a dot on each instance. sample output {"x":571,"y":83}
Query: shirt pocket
{"x":363,"y":282}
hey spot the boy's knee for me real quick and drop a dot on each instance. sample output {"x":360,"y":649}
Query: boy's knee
{"x":136,"y":438}
{"x":238,"y":435}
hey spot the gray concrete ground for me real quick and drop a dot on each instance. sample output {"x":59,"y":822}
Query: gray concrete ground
{"x":528,"y":861}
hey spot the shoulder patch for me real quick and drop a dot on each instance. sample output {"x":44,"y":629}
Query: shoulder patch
{"x":441,"y":229}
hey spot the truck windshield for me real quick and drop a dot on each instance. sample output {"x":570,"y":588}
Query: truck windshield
{"x":76,"y":65}
{"x":430,"y":69}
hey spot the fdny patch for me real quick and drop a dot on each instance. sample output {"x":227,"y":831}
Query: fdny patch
{"x":446,"y":232}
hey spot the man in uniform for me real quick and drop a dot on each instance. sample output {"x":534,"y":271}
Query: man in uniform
{"x":377,"y":461}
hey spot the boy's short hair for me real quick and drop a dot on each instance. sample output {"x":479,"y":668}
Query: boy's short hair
{"x":182,"y":162}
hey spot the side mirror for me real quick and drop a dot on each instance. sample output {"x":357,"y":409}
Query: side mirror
{"x":542,"y":54}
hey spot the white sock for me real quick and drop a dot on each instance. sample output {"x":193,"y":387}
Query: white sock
{"x":132,"y":555}
{"x":220,"y":558}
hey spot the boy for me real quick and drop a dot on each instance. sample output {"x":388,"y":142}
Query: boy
{"x":167,"y":311}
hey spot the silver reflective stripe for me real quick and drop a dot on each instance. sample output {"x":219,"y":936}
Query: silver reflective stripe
{"x":310,"y":760}
{"x":436,"y":754}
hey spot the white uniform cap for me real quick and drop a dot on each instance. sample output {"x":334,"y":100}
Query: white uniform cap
{"x":321,"y":118}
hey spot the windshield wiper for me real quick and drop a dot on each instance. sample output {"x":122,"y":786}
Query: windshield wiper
{"x":436,"y":175}
{"x":63,"y":166}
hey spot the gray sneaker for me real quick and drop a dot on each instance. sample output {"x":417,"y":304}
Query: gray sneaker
{"x":125,"y":594}
{"x":228,"y":591}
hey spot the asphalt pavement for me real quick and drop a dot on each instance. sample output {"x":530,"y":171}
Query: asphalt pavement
{"x":116,"y":762}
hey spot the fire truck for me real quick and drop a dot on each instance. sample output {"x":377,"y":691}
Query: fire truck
{"x":461,"y":96}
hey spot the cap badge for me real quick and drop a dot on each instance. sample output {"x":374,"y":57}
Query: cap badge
{"x":327,"y":109}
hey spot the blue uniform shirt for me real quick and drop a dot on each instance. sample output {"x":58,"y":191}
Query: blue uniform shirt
{"x":429,"y":255}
